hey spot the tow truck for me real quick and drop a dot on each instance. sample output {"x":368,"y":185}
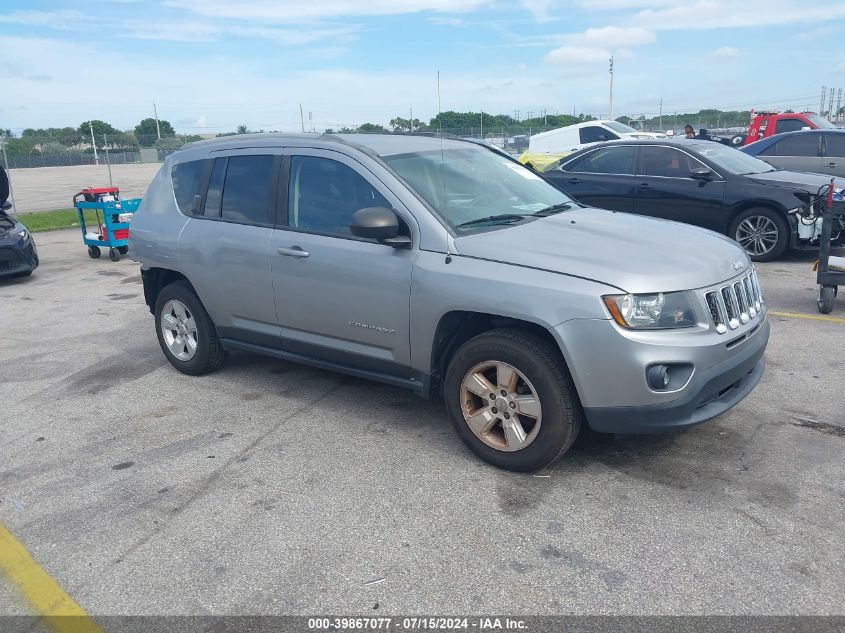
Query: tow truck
{"x":765,"y":124}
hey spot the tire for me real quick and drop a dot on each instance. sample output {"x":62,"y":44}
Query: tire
{"x":114,"y":254}
{"x":208,"y":354}
{"x":123,"y":249}
{"x":94,"y":252}
{"x":826,"y":296}
{"x":540,"y":372}
{"x":737,"y":140}
{"x":773,"y":237}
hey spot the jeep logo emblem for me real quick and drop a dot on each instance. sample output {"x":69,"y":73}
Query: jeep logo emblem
{"x":737,"y":264}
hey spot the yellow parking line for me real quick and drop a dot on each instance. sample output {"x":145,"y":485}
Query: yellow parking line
{"x":812,"y":317}
{"x":49,"y":600}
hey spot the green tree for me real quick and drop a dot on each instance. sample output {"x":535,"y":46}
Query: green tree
{"x":242,"y":129}
{"x":405,"y":125}
{"x":146,"y":132}
{"x":371,"y":128}
{"x":99,"y":127}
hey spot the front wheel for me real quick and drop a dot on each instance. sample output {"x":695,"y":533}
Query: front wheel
{"x":763,"y":233}
{"x":185,"y":332}
{"x":93,"y":252}
{"x":511,"y":399}
{"x":123,"y":249}
{"x":114,"y":254}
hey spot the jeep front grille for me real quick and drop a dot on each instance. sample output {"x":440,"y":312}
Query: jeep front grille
{"x":735,"y":304}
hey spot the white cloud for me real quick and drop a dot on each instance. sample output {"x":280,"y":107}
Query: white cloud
{"x":719,"y":14}
{"x":298,"y":10}
{"x":61,"y":19}
{"x":577,"y":55}
{"x":442,"y":21}
{"x":615,"y":36}
{"x":725,"y":53}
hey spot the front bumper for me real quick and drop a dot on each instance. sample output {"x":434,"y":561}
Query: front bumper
{"x":17,"y":258}
{"x":614,"y":394}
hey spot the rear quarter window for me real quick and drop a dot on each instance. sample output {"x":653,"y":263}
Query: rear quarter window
{"x":186,"y":183}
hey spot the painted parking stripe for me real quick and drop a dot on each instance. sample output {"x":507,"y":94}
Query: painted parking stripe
{"x":45,"y":596}
{"x":812,"y":317}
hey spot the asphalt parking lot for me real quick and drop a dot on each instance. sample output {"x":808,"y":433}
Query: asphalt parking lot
{"x":270,"y":488}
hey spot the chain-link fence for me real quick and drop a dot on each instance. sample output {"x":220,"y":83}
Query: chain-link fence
{"x":84,"y":149}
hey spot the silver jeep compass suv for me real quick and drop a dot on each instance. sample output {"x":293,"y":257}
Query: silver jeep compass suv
{"x":448,"y":268}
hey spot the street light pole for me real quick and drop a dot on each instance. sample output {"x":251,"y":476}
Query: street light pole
{"x":94,"y":143}
{"x":610,"y":108}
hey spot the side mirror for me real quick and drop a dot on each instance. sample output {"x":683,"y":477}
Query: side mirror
{"x":4,"y":187}
{"x":378,"y":223}
{"x":195,"y":205}
{"x":7,"y":205}
{"x":701,"y":173}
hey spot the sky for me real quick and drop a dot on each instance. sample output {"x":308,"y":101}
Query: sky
{"x":211,"y":65}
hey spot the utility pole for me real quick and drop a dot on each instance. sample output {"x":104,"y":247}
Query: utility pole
{"x":824,"y":92}
{"x":482,"y":124}
{"x":610,"y":106}
{"x":301,"y":118}
{"x":838,"y":104}
{"x":93,"y":142}
{"x":660,"y":124}
{"x":411,"y":121}
{"x":310,"y":122}
{"x":155,"y":112}
{"x":830,"y":102}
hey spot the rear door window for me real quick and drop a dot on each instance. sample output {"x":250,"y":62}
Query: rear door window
{"x":247,"y":190}
{"x":186,"y":179}
{"x":215,"y":189}
{"x":608,"y":160}
{"x":666,"y":162}
{"x":797,"y":145}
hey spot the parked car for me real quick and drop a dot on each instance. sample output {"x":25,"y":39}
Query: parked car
{"x":701,"y":183}
{"x":18,"y":254}
{"x":447,"y":268}
{"x":819,"y":151}
{"x":574,"y":137}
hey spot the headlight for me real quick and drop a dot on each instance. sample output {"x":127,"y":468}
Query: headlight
{"x":23,"y":234}
{"x":660,"y":311}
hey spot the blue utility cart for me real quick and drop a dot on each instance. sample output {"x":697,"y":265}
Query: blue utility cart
{"x":113,"y":216}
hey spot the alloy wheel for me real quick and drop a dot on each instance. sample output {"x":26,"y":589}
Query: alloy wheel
{"x":179,"y":330}
{"x":757,"y":234}
{"x":500,"y":406}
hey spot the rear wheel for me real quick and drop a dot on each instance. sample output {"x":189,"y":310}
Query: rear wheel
{"x":511,"y":399}
{"x":763,"y":233}
{"x":185,"y":332}
{"x":114,"y":254}
{"x":123,"y":249}
{"x":94,"y":252}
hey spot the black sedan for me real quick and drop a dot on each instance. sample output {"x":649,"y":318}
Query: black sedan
{"x":18,"y":255}
{"x":702,"y":183}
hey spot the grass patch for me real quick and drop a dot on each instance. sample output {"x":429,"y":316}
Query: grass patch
{"x":52,"y":220}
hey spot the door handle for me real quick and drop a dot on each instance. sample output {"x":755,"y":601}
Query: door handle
{"x":574,"y":181}
{"x":293,"y":251}
{"x":831,"y":165}
{"x":645,"y":185}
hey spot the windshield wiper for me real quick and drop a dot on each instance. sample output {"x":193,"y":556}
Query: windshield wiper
{"x":502,"y":218}
{"x":555,"y":208}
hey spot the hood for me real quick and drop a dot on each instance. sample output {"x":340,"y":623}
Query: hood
{"x":792,"y":179}
{"x":633,"y":253}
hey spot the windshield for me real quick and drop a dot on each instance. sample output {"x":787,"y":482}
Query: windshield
{"x":735,"y":162}
{"x":468,"y":185}
{"x":820,"y":122}
{"x":616,"y":126}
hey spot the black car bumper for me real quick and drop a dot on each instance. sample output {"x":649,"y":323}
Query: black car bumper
{"x":18,"y":259}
